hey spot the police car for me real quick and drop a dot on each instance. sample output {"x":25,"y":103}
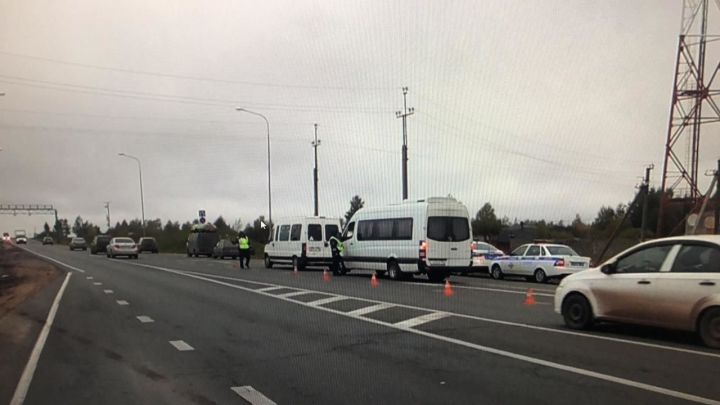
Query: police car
{"x":482,"y":254}
{"x":539,"y":262}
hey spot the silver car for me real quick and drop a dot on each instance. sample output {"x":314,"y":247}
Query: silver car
{"x":122,"y":247}
{"x":670,"y":282}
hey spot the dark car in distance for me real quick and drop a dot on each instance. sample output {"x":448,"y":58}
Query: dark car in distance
{"x":99,"y":244}
{"x":77,"y":244}
{"x":225,"y":248}
{"x":148,"y":244}
{"x":47,"y":240}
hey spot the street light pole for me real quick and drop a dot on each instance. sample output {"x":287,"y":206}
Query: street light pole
{"x":267,"y":124}
{"x":315,"y":145}
{"x":142,"y":200}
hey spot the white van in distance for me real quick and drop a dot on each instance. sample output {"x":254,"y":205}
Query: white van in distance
{"x":301,"y":241}
{"x":430,"y":236}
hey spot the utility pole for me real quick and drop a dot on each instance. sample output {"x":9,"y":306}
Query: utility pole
{"x":404,"y":114}
{"x":646,"y":191}
{"x":315,"y":145}
{"x":107,"y":207}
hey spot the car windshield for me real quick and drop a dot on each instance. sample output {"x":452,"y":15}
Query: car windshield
{"x":123,"y":240}
{"x":556,"y":250}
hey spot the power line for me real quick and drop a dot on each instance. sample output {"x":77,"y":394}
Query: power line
{"x":195,"y":78}
{"x":74,"y":88}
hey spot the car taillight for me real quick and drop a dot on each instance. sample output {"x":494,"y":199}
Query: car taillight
{"x":116,"y":246}
{"x":304,"y":249}
{"x":423,"y":249}
{"x":560,"y":262}
{"x":133,"y":246}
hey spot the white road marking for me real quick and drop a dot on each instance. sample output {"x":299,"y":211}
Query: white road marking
{"x":144,"y":319}
{"x":503,"y":353}
{"x":503,"y":290}
{"x":419,"y":320}
{"x":477,"y":318}
{"x":97,"y":283}
{"x":370,"y":309}
{"x":181,"y":345}
{"x":295,"y":294}
{"x":122,"y":302}
{"x":26,"y":378}
{"x":89,"y":277}
{"x":273,"y":288}
{"x":108,"y":291}
{"x":54,"y":260}
{"x":253,"y":396}
{"x":487,"y":349}
{"x":328,"y":300}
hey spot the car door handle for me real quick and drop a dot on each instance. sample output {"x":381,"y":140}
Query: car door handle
{"x":643,"y":282}
{"x":707,"y":283}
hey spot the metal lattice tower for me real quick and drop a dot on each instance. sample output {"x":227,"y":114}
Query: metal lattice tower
{"x":693,"y":106}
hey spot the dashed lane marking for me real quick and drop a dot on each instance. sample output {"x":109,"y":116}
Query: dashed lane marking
{"x":144,"y":319}
{"x":97,"y":283}
{"x":122,"y":302}
{"x":253,"y":396}
{"x":108,"y":291}
{"x":181,"y":345}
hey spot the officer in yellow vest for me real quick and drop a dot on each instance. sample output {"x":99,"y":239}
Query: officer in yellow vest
{"x":244,"y":245}
{"x":337,"y":248}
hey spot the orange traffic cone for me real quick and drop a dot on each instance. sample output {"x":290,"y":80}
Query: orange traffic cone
{"x":326,"y":275}
{"x":448,"y":291}
{"x":374,"y":281}
{"x":530,"y":297}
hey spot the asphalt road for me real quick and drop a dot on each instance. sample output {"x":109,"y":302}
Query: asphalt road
{"x":296,"y":338}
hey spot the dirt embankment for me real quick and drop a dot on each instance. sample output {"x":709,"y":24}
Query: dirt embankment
{"x":22,"y":276}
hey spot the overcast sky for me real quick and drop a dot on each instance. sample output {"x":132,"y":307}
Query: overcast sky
{"x":543,"y":108}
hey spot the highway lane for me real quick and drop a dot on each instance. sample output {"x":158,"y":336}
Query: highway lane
{"x":247,"y":337}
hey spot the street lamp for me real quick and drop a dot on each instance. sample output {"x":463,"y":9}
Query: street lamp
{"x":142,"y":201}
{"x":267,"y":124}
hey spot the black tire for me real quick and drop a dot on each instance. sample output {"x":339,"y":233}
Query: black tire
{"x":437,"y":276}
{"x":393,"y":271}
{"x":496,"y":272}
{"x":268,"y":262}
{"x":540,"y":277}
{"x":136,"y":257}
{"x":576,"y":312}
{"x":709,"y":327}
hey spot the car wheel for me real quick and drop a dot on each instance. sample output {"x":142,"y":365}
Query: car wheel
{"x":576,"y":312}
{"x":496,"y":273}
{"x":709,"y":327}
{"x":540,"y":276}
{"x":393,"y":271}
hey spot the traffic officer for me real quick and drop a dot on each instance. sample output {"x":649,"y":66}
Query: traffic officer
{"x":337,"y":248}
{"x":244,"y":245}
